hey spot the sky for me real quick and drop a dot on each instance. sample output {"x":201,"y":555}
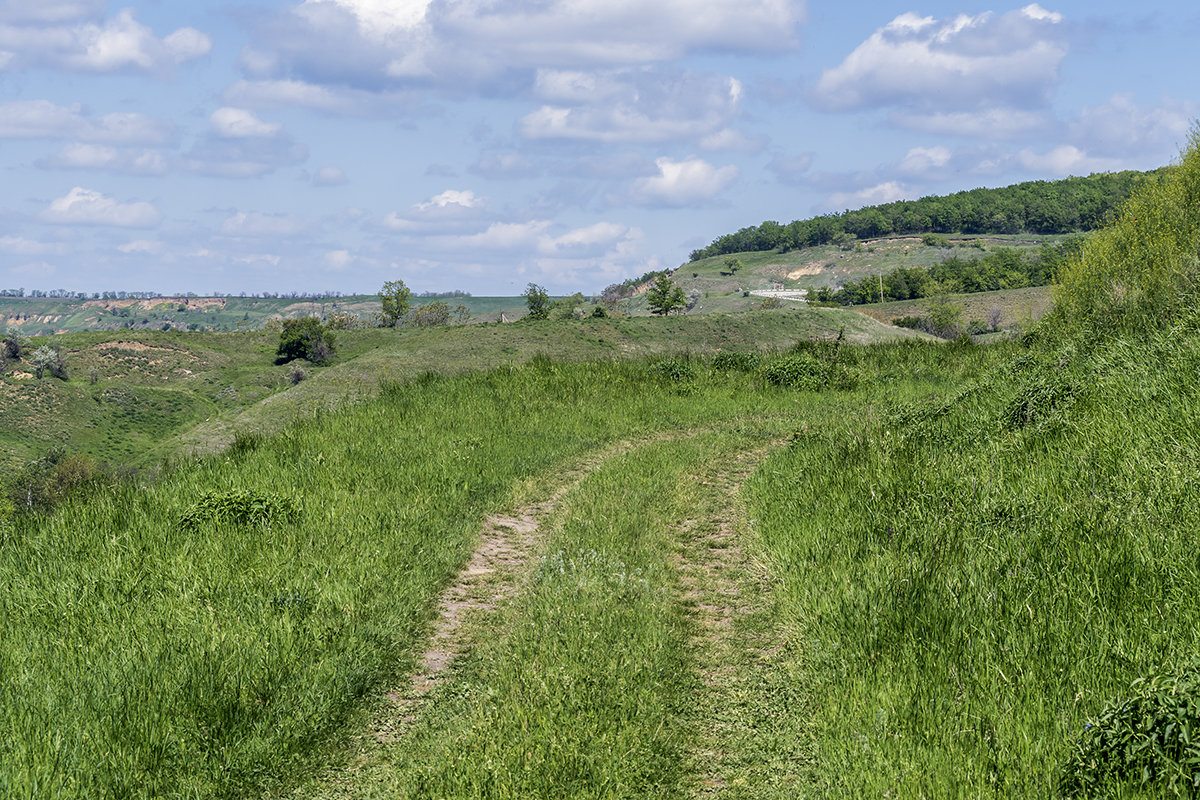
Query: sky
{"x":481,"y":145}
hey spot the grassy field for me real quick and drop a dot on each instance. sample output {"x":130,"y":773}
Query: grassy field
{"x":135,"y":397}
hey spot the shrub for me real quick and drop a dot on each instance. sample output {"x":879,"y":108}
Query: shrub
{"x":304,"y":337}
{"x":977,"y":327}
{"x":296,"y":374}
{"x":736,"y":362}
{"x":674,"y":370}
{"x":796,"y":371}
{"x":914,"y":322}
{"x":239,"y":507}
{"x":1148,"y":741}
{"x":599,"y":313}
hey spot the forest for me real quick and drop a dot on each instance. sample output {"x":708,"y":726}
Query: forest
{"x":1071,"y":205}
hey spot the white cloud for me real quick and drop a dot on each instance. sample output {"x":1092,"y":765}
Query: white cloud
{"x":86,"y":207}
{"x":102,"y":157}
{"x":49,"y":11}
{"x":791,"y":169}
{"x":376,"y":45}
{"x":41,"y":119}
{"x":240,"y":145}
{"x":20,"y":246}
{"x":733,"y":140}
{"x":451,"y":197}
{"x":237,"y":123}
{"x":256,"y":224}
{"x":920,"y":160}
{"x":339,"y":260}
{"x":449,"y":211}
{"x":643,"y":105}
{"x":683,"y":183}
{"x":503,"y":165}
{"x":329,"y":176}
{"x":117,"y":44}
{"x":143,"y":246}
{"x":888,"y":192}
{"x":1121,"y":128}
{"x":962,"y":63}
{"x":987,"y":123}
{"x":1065,"y":160}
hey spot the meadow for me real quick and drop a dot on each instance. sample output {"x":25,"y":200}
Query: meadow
{"x":794,"y":567}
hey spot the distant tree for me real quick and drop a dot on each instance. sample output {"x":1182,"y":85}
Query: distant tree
{"x":429,"y":315}
{"x":395,"y":298}
{"x":14,"y":344}
{"x":304,"y":337}
{"x":537,"y":301}
{"x":47,"y":359}
{"x":665,"y":297}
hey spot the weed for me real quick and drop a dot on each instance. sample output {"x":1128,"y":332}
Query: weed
{"x":1149,"y":740}
{"x":239,"y":507}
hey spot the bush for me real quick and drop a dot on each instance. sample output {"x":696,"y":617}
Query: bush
{"x":304,"y":337}
{"x":674,"y":370}
{"x":916,"y":323}
{"x":736,"y":362}
{"x":239,"y":507}
{"x":1150,"y":741}
{"x":296,"y":374}
{"x":977,"y":327}
{"x":796,"y":371}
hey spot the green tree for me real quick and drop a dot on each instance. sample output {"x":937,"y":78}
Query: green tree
{"x":664,"y":296}
{"x":537,"y":301}
{"x":395,"y":298}
{"x":304,"y":337}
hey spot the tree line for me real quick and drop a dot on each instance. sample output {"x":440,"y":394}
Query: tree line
{"x":1071,"y":205}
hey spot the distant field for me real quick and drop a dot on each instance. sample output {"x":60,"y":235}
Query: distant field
{"x":42,"y":317}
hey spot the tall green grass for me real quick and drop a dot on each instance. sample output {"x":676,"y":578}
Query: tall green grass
{"x":192,"y":639}
{"x":980,"y":577}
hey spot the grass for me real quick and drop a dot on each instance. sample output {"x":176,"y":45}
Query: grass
{"x":1019,"y":308}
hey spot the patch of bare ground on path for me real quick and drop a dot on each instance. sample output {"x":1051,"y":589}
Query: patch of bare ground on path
{"x":494,"y":573}
{"x":750,"y":741}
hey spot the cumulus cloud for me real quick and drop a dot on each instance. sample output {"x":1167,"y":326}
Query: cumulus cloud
{"x":448,"y":211}
{"x":966,"y":63}
{"x":643,"y":105}
{"x":1122,"y":128}
{"x":329,"y":176}
{"x":18,"y":245}
{"x":921,"y":160}
{"x":42,"y":119}
{"x":733,"y":140}
{"x":240,"y":145}
{"x":58,"y":39}
{"x":985,"y":123}
{"x":86,"y":207}
{"x":237,"y":123}
{"x":143,"y":247}
{"x":371,"y":44}
{"x":102,"y":157}
{"x":255,"y":224}
{"x":888,"y":192}
{"x":683,"y":183}
{"x":791,"y":169}
{"x":1065,"y":160}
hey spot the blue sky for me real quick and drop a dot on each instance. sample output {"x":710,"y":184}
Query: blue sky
{"x":279,"y":145}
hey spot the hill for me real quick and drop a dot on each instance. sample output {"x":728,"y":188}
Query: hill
{"x":1065,"y":206}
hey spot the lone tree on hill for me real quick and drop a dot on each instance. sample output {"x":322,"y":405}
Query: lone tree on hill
{"x":395,"y":298}
{"x":665,"y":297}
{"x":537,"y":301}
